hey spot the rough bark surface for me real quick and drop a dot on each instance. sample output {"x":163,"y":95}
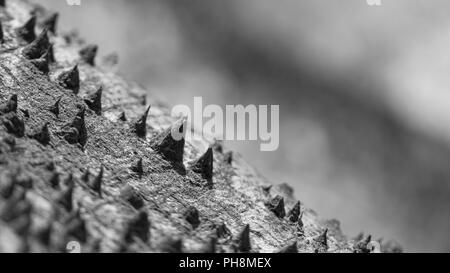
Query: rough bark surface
{"x":80,"y":164}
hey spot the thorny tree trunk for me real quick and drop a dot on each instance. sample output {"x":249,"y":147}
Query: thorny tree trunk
{"x":83,"y":161}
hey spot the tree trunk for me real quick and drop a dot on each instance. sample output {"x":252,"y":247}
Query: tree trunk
{"x":84,"y":168}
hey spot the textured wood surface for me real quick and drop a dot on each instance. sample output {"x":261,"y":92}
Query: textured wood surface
{"x":81,"y":162}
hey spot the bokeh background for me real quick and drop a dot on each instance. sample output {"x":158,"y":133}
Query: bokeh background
{"x":364,"y":94}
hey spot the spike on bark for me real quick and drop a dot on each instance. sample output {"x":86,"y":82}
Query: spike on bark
{"x":41,"y":64}
{"x":75,"y":132}
{"x":140,"y":125}
{"x":1,"y":33}
{"x":291,"y":248}
{"x":137,"y":166}
{"x":243,"y":240}
{"x":76,"y":228}
{"x":222,"y":231}
{"x":55,"y":107}
{"x":129,"y":194}
{"x":294,"y":213}
{"x":171,"y":142}
{"x":70,"y":79}
{"x":276,"y":205}
{"x":122,"y":116}
{"x":10,"y":105}
{"x":50,"y":22}
{"x":13,"y":124}
{"x":210,"y":245}
{"x":139,"y":226}
{"x":49,"y":54}
{"x":38,"y":47}
{"x":322,"y":238}
{"x":172,"y":245}
{"x":204,"y":165}
{"x":96,"y":184}
{"x":26,"y":32}
{"x":42,"y":134}
{"x":94,"y":101}
{"x":66,"y":197}
{"x":45,"y":232}
{"x":85,"y":176}
{"x":54,"y":180}
{"x":192,"y":216}
{"x":88,"y":54}
{"x":228,"y":157}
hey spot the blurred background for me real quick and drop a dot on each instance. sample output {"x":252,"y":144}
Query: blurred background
{"x":364,"y":94}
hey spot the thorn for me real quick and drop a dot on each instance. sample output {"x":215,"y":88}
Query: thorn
{"x":41,"y":64}
{"x":322,"y":238}
{"x":25,"y":113}
{"x":129,"y":194}
{"x":71,"y":135}
{"x":50,"y":22}
{"x":81,"y":112}
{"x":361,"y":246}
{"x":38,"y":47}
{"x":55,"y":107}
{"x":292,"y":248}
{"x":54,"y":180}
{"x":75,"y":132}
{"x":267,"y":189}
{"x":10,"y":141}
{"x":140,"y":125}
{"x":88,"y":54}
{"x":50,"y":166}
{"x":222,"y":231}
{"x":49,"y":55}
{"x":192,"y":216}
{"x":169,"y":147}
{"x":138,"y":226}
{"x":1,"y":33}
{"x":42,"y":134}
{"x":210,"y":246}
{"x":276,"y":205}
{"x":85,"y":176}
{"x":122,"y":116}
{"x":94,"y":101}
{"x":218,"y":146}
{"x":76,"y":227}
{"x":204,"y":165}
{"x":143,"y":100}
{"x":294,"y":212}
{"x":13,"y":124}
{"x":171,"y":245}
{"x":15,"y":207}
{"x":96,"y":246}
{"x":300,"y":222}
{"x":70,"y":79}
{"x":228,"y":157}
{"x":22,"y":224}
{"x":359,"y":237}
{"x":243,"y":240}
{"x":10,"y":105}
{"x":44,"y":233}
{"x":137,"y":166}
{"x":96,"y":184}
{"x":7,"y":187}
{"x":66,"y":197}
{"x":26,"y":32}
